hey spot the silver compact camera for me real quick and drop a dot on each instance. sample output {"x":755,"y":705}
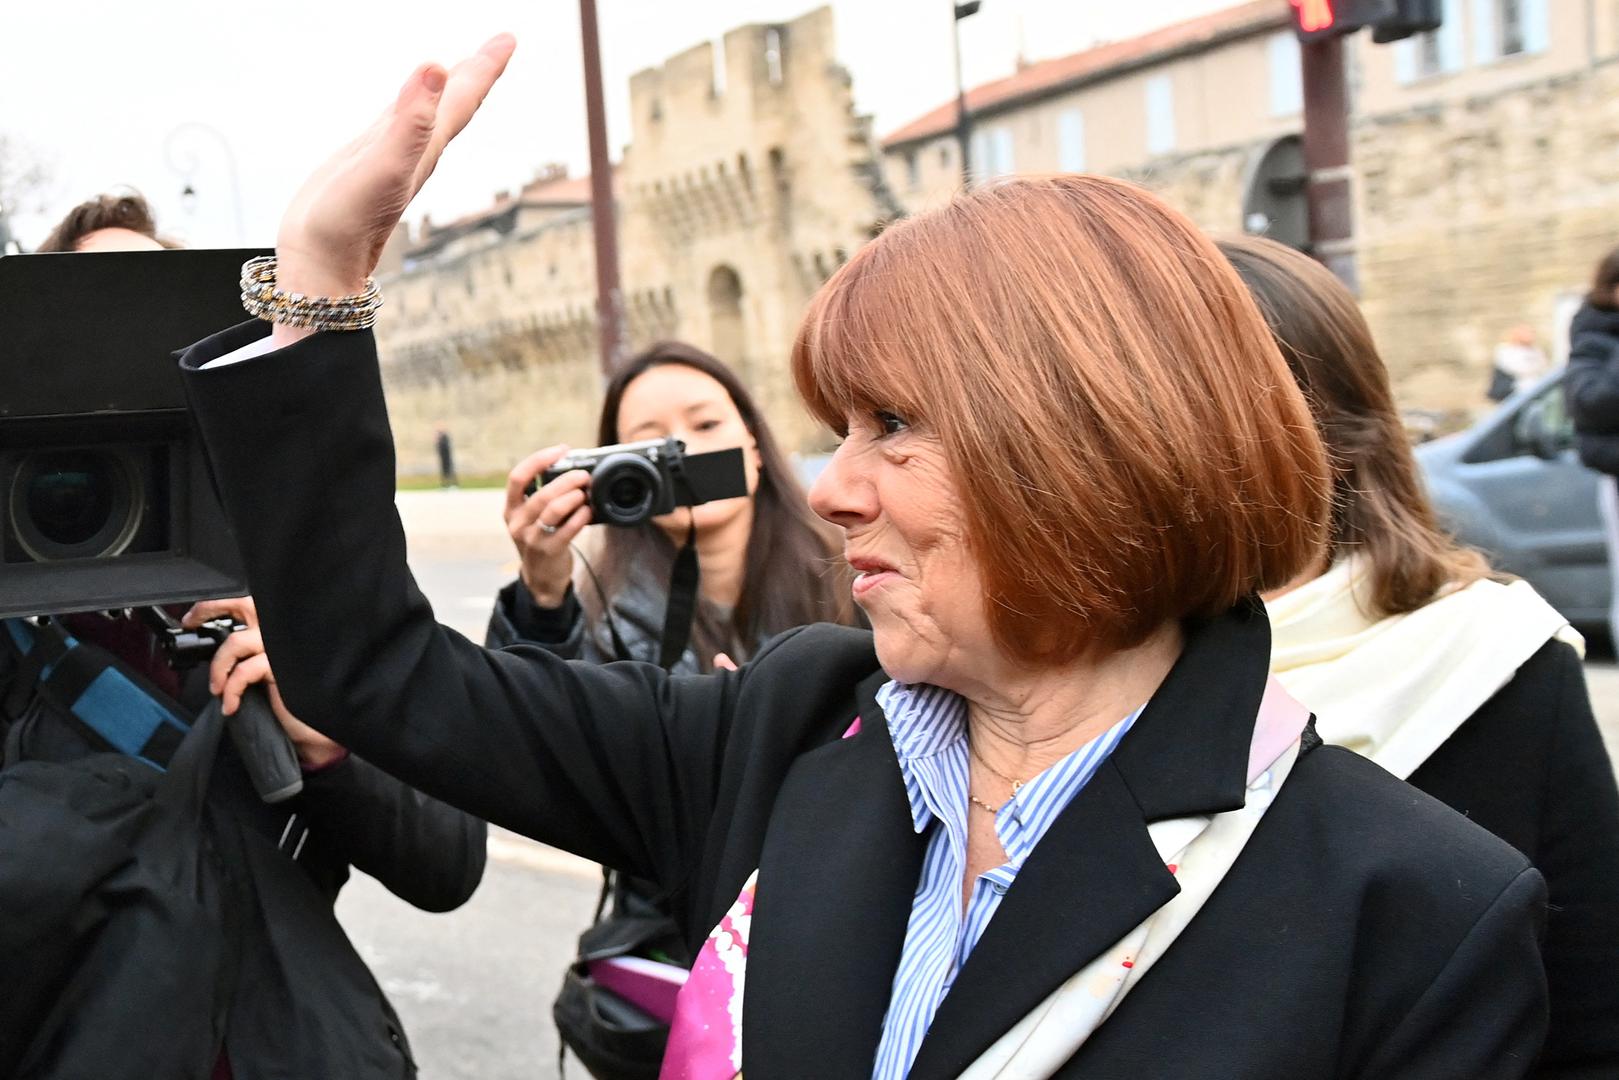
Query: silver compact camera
{"x":632,"y":482}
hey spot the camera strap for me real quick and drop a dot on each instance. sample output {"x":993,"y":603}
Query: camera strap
{"x":677,"y":617}
{"x":112,"y":707}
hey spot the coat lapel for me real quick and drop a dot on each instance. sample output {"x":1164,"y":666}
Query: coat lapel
{"x":836,"y":878}
{"x":1096,"y":874}
{"x":1093,"y":878}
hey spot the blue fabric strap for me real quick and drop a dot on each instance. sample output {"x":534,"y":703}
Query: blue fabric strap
{"x":112,"y":707}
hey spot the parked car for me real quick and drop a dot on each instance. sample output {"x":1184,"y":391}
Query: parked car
{"x":1512,"y":486}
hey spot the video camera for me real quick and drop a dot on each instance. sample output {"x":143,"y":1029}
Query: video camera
{"x":105,"y":497}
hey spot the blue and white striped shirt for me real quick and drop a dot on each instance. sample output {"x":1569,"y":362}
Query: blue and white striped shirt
{"x":929,"y":729}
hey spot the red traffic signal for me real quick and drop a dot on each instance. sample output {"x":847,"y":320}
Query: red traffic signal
{"x":1390,"y":20}
{"x":1315,"y":19}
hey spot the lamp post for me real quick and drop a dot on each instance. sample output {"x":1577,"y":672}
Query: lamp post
{"x":180,"y":150}
{"x":963,"y":131}
{"x":609,"y":300}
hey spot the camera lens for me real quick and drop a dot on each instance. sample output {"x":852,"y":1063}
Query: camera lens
{"x":74,"y":504}
{"x":624,"y":489}
{"x":627,"y":492}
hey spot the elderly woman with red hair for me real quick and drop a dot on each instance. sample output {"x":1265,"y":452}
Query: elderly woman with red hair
{"x":1049,"y":817}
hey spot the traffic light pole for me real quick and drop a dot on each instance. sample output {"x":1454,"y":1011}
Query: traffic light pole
{"x":1326,"y":157}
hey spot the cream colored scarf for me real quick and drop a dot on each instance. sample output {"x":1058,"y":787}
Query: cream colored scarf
{"x":1200,"y":851}
{"x":1394,"y":689}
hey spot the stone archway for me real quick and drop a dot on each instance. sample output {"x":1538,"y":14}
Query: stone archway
{"x":1274,"y":200}
{"x":727,"y":334}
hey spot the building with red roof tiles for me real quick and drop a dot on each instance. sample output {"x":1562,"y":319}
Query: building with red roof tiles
{"x":1479,"y":199}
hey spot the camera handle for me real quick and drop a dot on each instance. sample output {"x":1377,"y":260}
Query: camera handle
{"x":264,"y":747}
{"x":261,"y":743}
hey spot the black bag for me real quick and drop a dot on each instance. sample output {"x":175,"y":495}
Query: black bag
{"x":612,"y":1038}
{"x":111,"y":892}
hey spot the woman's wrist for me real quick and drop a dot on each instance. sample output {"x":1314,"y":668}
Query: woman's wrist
{"x":314,"y":758}
{"x":297,"y":273}
{"x":545,"y":597}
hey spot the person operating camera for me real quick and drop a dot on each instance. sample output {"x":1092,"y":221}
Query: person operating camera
{"x":766,"y":563}
{"x":301,"y":1001}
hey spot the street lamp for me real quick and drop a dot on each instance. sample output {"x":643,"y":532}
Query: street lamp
{"x":180,"y":150}
{"x":962,"y":11}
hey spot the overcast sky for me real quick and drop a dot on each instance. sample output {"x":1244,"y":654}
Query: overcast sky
{"x":109,"y":93}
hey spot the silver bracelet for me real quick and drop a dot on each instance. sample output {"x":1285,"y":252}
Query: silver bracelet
{"x":263,"y":300}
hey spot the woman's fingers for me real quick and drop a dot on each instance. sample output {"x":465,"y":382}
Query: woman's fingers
{"x":527,"y":470}
{"x":574,"y":525}
{"x":239,"y":608}
{"x":254,"y":669}
{"x":554,"y":505}
{"x":466,"y":86}
{"x":409,"y":130}
{"x":233,"y":650}
{"x":337,"y":224}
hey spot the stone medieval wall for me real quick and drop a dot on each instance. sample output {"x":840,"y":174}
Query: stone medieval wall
{"x":735,"y":202}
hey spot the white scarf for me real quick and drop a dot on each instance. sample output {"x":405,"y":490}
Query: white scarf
{"x":1199,"y":851}
{"x":1393,"y":689}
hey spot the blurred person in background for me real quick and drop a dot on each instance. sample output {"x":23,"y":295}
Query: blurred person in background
{"x":1591,"y":390}
{"x":1409,"y":651}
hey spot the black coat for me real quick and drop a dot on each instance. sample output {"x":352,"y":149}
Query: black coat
{"x":1591,"y":386}
{"x":1367,"y":931}
{"x":302,"y":1001}
{"x":1530,"y":766}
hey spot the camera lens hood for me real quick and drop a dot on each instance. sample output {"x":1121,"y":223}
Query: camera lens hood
{"x":84,"y":503}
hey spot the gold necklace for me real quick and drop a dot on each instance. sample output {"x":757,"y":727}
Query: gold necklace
{"x":1016,"y":784}
{"x":981,"y":804}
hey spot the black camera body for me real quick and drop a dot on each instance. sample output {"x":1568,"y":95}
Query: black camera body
{"x":632,"y":482}
{"x":105,"y":496}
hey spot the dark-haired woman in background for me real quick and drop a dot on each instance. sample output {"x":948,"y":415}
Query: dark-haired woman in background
{"x":767,"y":563}
{"x":1410,"y":652}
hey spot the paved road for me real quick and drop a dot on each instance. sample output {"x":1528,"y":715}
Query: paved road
{"x":474,"y":987}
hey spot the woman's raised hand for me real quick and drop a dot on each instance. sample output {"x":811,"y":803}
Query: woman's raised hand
{"x":333,"y":232}
{"x":544,"y":524}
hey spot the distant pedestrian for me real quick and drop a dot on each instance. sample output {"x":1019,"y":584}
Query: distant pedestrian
{"x":1517,"y":363}
{"x":1592,"y":391}
{"x":446,"y":456}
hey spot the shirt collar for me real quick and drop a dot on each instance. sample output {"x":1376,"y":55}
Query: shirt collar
{"x":928,"y":726}
{"x":925,"y":722}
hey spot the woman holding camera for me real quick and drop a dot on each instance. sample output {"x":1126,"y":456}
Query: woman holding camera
{"x":766,"y":562}
{"x":1049,"y":817}
{"x":1409,"y":652}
